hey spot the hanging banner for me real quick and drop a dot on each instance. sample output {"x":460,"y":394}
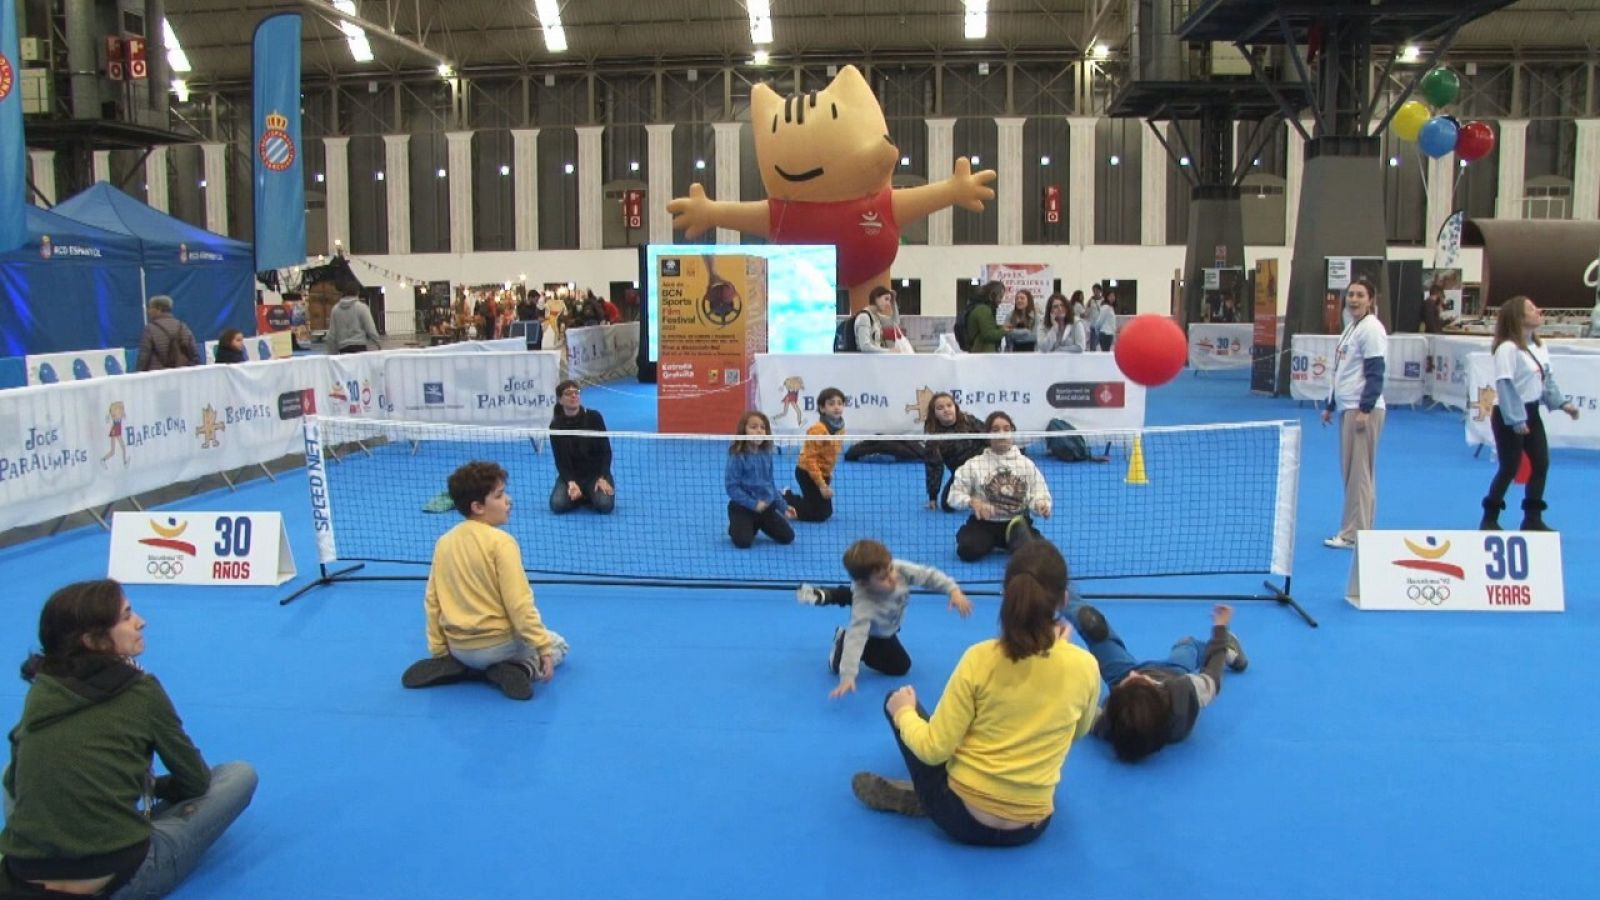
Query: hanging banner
{"x":280,"y":190}
{"x":13,"y":153}
{"x":1264,"y":341}
{"x":598,"y":353}
{"x":1447,"y":250}
{"x":713,"y":321}
{"x":1037,"y":279}
{"x":1052,"y":204}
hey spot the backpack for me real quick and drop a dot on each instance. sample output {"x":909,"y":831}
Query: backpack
{"x":844,"y":337}
{"x":962,"y":340}
{"x":1066,"y":447}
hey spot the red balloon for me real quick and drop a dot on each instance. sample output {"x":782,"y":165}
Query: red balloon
{"x":1475,"y":141}
{"x":1151,"y":350}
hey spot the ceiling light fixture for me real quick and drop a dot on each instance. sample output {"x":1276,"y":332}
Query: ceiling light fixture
{"x":976,"y":19}
{"x":176,"y":58}
{"x":355,"y":35}
{"x":760,"y":21}
{"x":555,"y":36}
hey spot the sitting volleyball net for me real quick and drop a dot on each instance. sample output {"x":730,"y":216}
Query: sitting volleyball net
{"x":1174,"y":501}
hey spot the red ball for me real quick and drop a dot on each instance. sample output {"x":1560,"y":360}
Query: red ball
{"x":1151,"y":350}
{"x":1474,"y":142}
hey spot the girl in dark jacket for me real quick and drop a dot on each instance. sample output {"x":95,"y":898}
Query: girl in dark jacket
{"x":944,"y":416}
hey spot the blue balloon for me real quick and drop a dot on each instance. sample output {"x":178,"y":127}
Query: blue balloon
{"x":1438,"y":137}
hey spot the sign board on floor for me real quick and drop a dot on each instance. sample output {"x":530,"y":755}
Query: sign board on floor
{"x":1457,"y":571}
{"x":200,"y":548}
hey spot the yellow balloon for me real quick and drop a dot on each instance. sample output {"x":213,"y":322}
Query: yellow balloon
{"x":1409,"y":119}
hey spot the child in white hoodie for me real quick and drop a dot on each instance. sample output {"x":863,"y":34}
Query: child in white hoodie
{"x":1002,"y":488}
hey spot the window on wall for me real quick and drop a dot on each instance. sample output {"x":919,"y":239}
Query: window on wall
{"x":1180,"y":187}
{"x":1551,"y":147}
{"x":1262,"y":209}
{"x":369,"y":200}
{"x":1547,"y":197}
{"x":1405,"y":190}
{"x":187,"y":198}
{"x":314,"y":152}
{"x":1117,"y":175}
{"x":1046,"y":145}
{"x":979,"y":138}
{"x":558,"y":189}
{"x":1477,"y":185}
{"x":910,"y":137}
{"x":694,"y":160}
{"x":625,"y":150}
{"x":494,"y":220}
{"x":751,"y":187}
{"x":430,"y":193}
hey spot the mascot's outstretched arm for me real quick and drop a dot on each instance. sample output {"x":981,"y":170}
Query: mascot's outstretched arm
{"x":697,"y":214}
{"x":964,"y":188}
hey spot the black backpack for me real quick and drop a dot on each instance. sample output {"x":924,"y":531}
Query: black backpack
{"x":844,"y":337}
{"x":962,"y":341}
{"x":1067,"y":447}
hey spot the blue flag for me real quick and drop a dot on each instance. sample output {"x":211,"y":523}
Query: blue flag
{"x":279,"y":181}
{"x":13,"y":150}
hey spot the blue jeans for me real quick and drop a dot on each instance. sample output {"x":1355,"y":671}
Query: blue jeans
{"x":602,"y":503}
{"x":946,"y":808}
{"x":182,"y":832}
{"x":485,"y":657}
{"x":1116,"y":662}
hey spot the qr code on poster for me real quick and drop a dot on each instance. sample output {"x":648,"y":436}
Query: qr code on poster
{"x":730,"y":376}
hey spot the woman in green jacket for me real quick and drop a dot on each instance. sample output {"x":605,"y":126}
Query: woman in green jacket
{"x":84,"y":814}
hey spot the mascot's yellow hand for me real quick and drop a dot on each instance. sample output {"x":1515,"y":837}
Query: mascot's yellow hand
{"x":970,"y":188}
{"x":692,"y":214}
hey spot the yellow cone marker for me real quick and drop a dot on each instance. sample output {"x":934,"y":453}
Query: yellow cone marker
{"x":1136,"y":463}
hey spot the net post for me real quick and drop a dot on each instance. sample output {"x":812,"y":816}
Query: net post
{"x":325,"y":578}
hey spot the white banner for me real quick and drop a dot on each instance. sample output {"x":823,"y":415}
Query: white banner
{"x":603,"y":352}
{"x":1037,"y":279}
{"x":1579,"y":376}
{"x":277,"y":345}
{"x":517,"y":387}
{"x":78,"y":365}
{"x":1448,"y":355}
{"x":1457,"y":571}
{"x":1311,"y":367}
{"x":1218,"y":346}
{"x":889,"y":393}
{"x":200,"y":548}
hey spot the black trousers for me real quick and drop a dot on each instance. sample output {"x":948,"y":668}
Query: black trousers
{"x":885,"y":655}
{"x":977,"y":537}
{"x":743,"y":523}
{"x":353,"y":348}
{"x":946,"y":808}
{"x":811,"y":506}
{"x":1510,"y":446}
{"x":900,"y":451}
{"x":1105,"y":342}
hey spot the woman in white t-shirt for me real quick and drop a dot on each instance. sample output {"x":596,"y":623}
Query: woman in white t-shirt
{"x":1358,"y":369}
{"x":1522,"y":381}
{"x":1105,"y":321}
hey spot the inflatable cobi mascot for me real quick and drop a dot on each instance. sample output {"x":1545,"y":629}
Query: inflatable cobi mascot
{"x":827,"y":163}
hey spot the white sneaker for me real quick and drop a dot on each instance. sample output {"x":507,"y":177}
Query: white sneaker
{"x":809,"y":595}
{"x":1339,"y":543}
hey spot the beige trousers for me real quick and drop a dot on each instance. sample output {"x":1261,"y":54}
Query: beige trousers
{"x":1358,"y":457}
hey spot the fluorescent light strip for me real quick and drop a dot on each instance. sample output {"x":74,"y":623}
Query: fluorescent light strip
{"x":355,"y":35}
{"x":977,"y":19}
{"x":176,"y":58}
{"x":555,"y":36}
{"x":760,"y":21}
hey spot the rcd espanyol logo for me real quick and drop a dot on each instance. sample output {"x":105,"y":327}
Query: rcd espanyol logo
{"x":7,"y":77}
{"x":276,"y":148}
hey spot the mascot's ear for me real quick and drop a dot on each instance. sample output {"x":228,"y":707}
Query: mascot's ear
{"x":850,"y":84}
{"x":765,"y":105}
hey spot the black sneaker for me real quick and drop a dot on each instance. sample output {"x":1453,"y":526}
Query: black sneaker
{"x":886,"y":794}
{"x":434,"y":671}
{"x":1237,"y":661}
{"x":1092,"y":625}
{"x":515,"y":679}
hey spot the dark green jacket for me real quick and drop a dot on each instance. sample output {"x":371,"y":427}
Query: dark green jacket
{"x":983,"y":332}
{"x":80,"y":762}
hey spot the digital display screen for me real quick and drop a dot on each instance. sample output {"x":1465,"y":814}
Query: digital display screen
{"x":802,"y":286}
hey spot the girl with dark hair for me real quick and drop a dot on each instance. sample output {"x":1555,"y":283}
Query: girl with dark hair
{"x":230,"y":347}
{"x":878,"y":325}
{"x":754,"y":501}
{"x":985,"y":765}
{"x":1022,"y":327}
{"x":1523,"y":381}
{"x":84,"y":814}
{"x":1004,"y":490}
{"x":1063,"y":333}
{"x":583,"y":462}
{"x":944,"y":416}
{"x":983,"y":331}
{"x":1357,"y":395}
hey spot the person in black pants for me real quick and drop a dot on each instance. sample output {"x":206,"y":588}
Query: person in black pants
{"x":583,"y":462}
{"x":944,"y":416}
{"x":1004,"y":490}
{"x":754,"y":501}
{"x":1523,"y":381}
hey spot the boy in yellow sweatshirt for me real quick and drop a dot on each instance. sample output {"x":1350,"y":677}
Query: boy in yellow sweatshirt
{"x":817,"y":459}
{"x":479,"y":606}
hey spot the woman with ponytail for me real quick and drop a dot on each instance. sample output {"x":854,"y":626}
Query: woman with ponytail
{"x":84,"y":814}
{"x":984,"y":766}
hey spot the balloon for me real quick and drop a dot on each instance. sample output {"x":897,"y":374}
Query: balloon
{"x":1151,"y":350}
{"x":1475,"y":141}
{"x":1438,"y":137}
{"x":1409,"y":119}
{"x":1440,"y":86}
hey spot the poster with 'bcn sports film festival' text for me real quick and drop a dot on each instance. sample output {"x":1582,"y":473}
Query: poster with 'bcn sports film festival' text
{"x":713,"y":320}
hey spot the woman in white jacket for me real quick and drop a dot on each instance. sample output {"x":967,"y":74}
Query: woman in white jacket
{"x":1002,"y":488}
{"x":1063,"y":333}
{"x":878,"y":325}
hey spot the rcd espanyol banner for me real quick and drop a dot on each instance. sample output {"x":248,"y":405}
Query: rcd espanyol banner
{"x":279,"y":184}
{"x":13,"y":154}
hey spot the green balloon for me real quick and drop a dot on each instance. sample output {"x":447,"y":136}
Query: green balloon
{"x":1441,"y":87}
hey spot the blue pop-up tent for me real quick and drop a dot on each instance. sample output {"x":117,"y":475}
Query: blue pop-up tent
{"x":70,"y":287}
{"x":210,"y":278}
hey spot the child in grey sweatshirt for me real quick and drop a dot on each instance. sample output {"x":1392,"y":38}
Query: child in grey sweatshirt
{"x":877,"y":595}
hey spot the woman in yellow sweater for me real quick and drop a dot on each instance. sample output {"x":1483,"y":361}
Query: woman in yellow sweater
{"x":984,"y":766}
